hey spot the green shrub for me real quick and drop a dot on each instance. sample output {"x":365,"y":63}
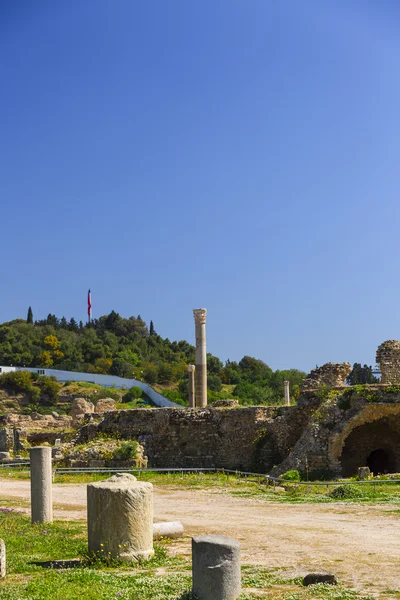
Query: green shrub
{"x":16,"y":381}
{"x":127,"y":450}
{"x":104,"y":392}
{"x":174,"y":396}
{"x":35,"y":395}
{"x":133,"y":393}
{"x":342,"y":492}
{"x":49,"y":387}
{"x":292,"y":475}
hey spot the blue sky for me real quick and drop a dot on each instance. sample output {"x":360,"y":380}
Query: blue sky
{"x":237,"y":155}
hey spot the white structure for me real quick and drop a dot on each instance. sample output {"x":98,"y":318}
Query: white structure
{"x":104,"y":380}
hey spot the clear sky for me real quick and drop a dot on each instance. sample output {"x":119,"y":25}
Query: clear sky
{"x":238,"y":155}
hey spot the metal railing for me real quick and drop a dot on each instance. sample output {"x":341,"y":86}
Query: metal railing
{"x":264,"y":478}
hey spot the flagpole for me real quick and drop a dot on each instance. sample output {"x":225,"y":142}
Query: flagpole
{"x":89,"y":300}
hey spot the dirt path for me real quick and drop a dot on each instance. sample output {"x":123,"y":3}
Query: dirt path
{"x":359,"y":543}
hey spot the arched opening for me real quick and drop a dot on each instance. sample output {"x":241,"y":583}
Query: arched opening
{"x":376,"y":445}
{"x":379,"y":462}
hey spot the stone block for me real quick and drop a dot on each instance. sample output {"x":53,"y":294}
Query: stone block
{"x":4,"y":455}
{"x":364,"y":473}
{"x":104,"y":404}
{"x":313,"y":578}
{"x":216,"y":568}
{"x":6,"y":439}
{"x":172,"y":529}
{"x":2,"y":559}
{"x":120,"y":518}
{"x":79,"y":408}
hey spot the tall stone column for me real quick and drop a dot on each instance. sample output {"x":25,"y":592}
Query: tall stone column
{"x":41,"y":485}
{"x":192,"y":397}
{"x":287,"y":393}
{"x":201,"y":357}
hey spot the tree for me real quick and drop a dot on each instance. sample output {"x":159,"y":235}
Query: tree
{"x":103,"y":365}
{"x":361,"y":375}
{"x":73,"y":325}
{"x":45,"y":359}
{"x":254,"y":369}
{"x":152,"y":330}
{"x":214,"y":365}
{"x":52,"y":341}
{"x":52,"y":320}
{"x":133,"y":393}
{"x":214,"y":383}
{"x":29,"y":318}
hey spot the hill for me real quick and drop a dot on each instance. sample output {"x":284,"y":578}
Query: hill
{"x":127,"y":347}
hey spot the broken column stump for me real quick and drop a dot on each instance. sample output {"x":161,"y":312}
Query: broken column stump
{"x":216,"y":567}
{"x":120,"y":518}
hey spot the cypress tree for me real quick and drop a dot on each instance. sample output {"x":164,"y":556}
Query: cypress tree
{"x":152,"y":330}
{"x":29,"y":318}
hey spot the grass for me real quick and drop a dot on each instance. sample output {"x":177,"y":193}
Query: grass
{"x":163,"y":577}
{"x":378,"y":491}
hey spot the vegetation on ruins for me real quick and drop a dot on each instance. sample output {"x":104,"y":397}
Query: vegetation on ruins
{"x":114,"y":345}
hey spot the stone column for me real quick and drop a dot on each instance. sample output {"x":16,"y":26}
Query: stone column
{"x":192,"y":397}
{"x":170,"y":529}
{"x":287,"y":393}
{"x":120,"y":518}
{"x":201,"y":358}
{"x":215,"y":568}
{"x":41,"y":485}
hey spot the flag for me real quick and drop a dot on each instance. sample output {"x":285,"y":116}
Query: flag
{"x":89,"y":305}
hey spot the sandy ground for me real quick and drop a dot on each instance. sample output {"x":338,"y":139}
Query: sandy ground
{"x":359,"y":543}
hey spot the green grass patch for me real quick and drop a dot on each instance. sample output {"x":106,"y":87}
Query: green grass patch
{"x":375,"y":491}
{"x":161,"y":578}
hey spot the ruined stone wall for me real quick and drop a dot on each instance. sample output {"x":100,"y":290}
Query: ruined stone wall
{"x":388,"y":358}
{"x":328,"y":445}
{"x":36,"y":421}
{"x":211,"y":437}
{"x":329,"y":375}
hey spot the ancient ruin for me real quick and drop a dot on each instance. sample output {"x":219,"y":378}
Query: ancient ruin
{"x":388,"y":358}
{"x":127,"y":532}
{"x":216,"y":568}
{"x":200,"y":315}
{"x":192,"y":397}
{"x":286,"y":385}
{"x":41,"y":485}
{"x":330,"y":375}
{"x":333,"y":429}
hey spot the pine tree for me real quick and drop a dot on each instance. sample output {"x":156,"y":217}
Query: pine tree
{"x":152,"y":330}
{"x":29,"y":318}
{"x":73,"y":325}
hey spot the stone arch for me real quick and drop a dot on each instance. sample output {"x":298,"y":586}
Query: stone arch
{"x":371,"y":438}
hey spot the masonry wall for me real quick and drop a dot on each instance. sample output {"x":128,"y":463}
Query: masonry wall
{"x":211,"y":437}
